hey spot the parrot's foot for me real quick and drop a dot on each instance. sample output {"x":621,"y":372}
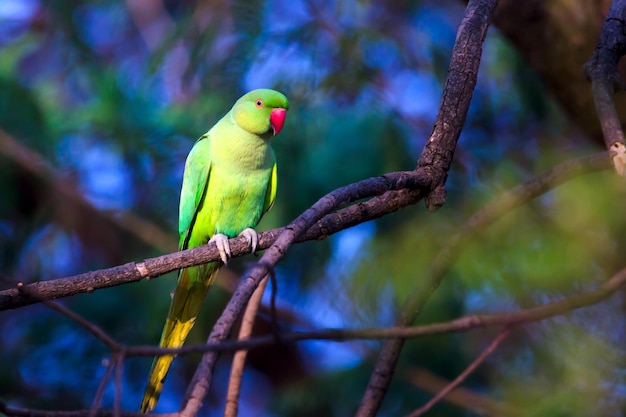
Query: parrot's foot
{"x":252,"y":237}
{"x":221,"y":241}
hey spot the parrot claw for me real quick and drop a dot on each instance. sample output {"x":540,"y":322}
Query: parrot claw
{"x":221,"y":241}
{"x":252,"y":237}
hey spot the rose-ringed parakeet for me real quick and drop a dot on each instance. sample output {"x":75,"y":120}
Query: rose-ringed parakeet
{"x":228,"y":184}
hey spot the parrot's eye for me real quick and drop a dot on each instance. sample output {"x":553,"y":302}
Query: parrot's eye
{"x":259,"y":103}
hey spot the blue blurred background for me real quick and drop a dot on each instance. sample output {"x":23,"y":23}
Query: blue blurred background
{"x":105,"y":98}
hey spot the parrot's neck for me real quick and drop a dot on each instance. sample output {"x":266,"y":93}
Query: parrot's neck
{"x":241,"y":148}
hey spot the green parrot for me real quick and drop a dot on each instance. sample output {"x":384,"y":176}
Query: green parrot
{"x":228,"y":185}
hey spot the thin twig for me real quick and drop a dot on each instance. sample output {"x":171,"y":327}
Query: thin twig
{"x":461,"y":324}
{"x":477,"y":403}
{"x":239,"y":359}
{"x":80,"y":320}
{"x":29,"y":412}
{"x":273,"y":313}
{"x":95,"y":405}
{"x":459,"y":379}
{"x":118,"y":358}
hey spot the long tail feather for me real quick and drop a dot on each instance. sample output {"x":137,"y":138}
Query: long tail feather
{"x":193,"y":284}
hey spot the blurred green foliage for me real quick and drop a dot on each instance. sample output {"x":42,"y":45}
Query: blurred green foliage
{"x":113,"y":94}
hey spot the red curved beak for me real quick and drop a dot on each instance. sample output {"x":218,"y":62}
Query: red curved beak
{"x":277,"y":120}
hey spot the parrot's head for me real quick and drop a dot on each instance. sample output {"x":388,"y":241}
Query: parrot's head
{"x":261,"y":112}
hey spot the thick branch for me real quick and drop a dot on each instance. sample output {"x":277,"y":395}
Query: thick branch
{"x":457,"y":94}
{"x":439,"y":151}
{"x":154,"y":267}
{"x":602,"y":70}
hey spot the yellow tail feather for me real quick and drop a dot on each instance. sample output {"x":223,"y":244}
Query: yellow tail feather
{"x":193,"y":284}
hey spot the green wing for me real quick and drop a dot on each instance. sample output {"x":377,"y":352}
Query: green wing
{"x":270,"y":194}
{"x":195,"y":180}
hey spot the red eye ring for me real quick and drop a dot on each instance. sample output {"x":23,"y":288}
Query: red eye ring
{"x":259,"y":103}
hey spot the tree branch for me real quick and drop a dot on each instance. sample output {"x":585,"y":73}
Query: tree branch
{"x":463,"y":376}
{"x":239,"y":359}
{"x":602,"y":71}
{"x":437,"y":156}
{"x":117,"y":349}
{"x":438,"y":152}
{"x":95,"y":405}
{"x":461,"y":324}
{"x":80,"y":320}
{"x":462,"y":397}
{"x":407,"y":186}
{"x":27,"y":412}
